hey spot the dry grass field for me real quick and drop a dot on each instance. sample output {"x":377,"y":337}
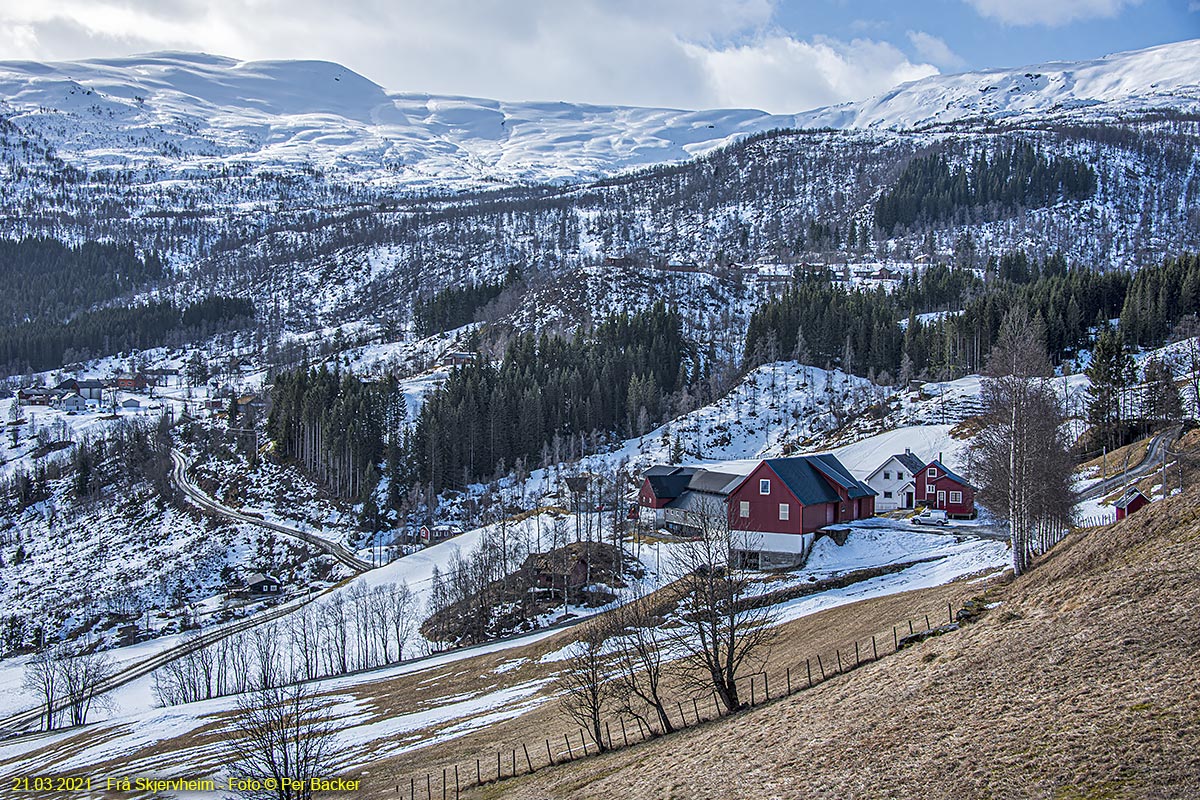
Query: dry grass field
{"x":1081,"y":685}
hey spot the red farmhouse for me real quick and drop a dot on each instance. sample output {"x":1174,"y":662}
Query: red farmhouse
{"x":783,"y":501}
{"x":938,"y":487}
{"x":1133,"y":500}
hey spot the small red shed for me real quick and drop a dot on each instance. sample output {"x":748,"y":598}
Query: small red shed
{"x":1131,"y":501}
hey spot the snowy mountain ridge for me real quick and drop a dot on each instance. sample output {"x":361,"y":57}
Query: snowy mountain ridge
{"x":182,"y":111}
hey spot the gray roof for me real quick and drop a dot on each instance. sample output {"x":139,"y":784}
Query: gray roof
{"x":910,"y":462}
{"x":258,"y":577}
{"x":1130,"y":495}
{"x":805,"y":477}
{"x":713,"y":482}
{"x":949,"y":473}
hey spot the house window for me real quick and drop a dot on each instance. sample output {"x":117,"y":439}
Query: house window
{"x":929,"y":490}
{"x":764,"y":486}
{"x":887,"y":495}
{"x":956,"y":497}
{"x":931,"y":472}
{"x":784,"y":510}
{"x":899,"y":476}
{"x":744,"y":509}
{"x":887,"y":476}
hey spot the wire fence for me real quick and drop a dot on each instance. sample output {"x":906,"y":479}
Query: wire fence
{"x":620,"y":731}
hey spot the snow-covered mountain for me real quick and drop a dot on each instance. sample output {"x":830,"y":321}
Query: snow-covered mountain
{"x":184,"y":111}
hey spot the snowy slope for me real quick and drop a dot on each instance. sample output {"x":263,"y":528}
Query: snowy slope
{"x":1167,"y":76}
{"x":188,"y":111}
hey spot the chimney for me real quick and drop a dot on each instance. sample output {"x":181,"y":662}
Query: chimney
{"x":907,"y":452}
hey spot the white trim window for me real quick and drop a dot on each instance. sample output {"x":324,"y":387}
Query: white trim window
{"x":887,"y":476}
{"x":929,"y":490}
{"x":764,"y":486}
{"x":931,"y":472}
{"x":887,"y":495}
{"x":956,"y":497}
{"x":784,"y":512}
{"x":744,"y":509}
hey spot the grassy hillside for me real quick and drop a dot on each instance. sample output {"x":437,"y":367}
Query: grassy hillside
{"x":1080,"y":684}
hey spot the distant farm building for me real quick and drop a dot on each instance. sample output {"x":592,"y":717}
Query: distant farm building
{"x":431,"y":534}
{"x":895,"y":481}
{"x":1130,"y":502}
{"x":258,"y":583}
{"x":940,"y":488}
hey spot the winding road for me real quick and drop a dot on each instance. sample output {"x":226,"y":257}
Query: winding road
{"x":1151,"y":462}
{"x":198,"y":496}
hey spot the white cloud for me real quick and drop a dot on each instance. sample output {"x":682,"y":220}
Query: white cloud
{"x":934,"y":50}
{"x":782,"y":74}
{"x":681,"y":53}
{"x":1049,"y":12}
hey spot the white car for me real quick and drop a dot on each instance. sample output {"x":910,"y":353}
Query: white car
{"x":931,"y":517}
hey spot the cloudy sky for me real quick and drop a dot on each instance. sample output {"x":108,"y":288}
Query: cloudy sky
{"x":778,"y":55}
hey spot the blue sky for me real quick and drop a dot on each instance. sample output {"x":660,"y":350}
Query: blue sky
{"x":778,"y":55}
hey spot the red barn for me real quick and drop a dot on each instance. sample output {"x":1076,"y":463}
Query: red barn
{"x":661,"y":484}
{"x":1133,"y":500}
{"x":940,"y":488}
{"x":783,"y":501}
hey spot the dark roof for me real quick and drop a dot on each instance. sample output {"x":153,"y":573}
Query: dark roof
{"x":836,"y":471}
{"x":91,"y":383}
{"x":910,"y":462}
{"x":803,"y":476}
{"x":1131,"y":494}
{"x":949,"y":473}
{"x":669,"y":484}
{"x":258,"y":577}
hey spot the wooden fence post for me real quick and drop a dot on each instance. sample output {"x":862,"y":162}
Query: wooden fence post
{"x":716,"y":704}
{"x":443,"y":783}
{"x":570,"y":751}
{"x":456,"y":782}
{"x":624,"y":736}
{"x":874,"y":649}
{"x":928,"y":627}
{"x":528,"y":761}
{"x":583,"y":739}
{"x":514,"y":762}
{"x":498,"y":775}
{"x":682,"y":718}
{"x":751,"y":690}
{"x":856,"y":654}
{"x":895,"y":641}
{"x":696,"y":708}
{"x":821,"y":665}
{"x":808,"y":666}
{"x":608,"y":733}
{"x":910,"y":628}
{"x":950,"y":610}
{"x":412,"y":787}
{"x":549,"y":755}
{"x":839,"y":658}
{"x":789,"y":680}
{"x":478,"y":773}
{"x":428,"y":787}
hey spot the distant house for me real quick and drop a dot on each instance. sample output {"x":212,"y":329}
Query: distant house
{"x":36,"y":396}
{"x":158,"y":376}
{"x":938,"y":487}
{"x":1133,"y":500}
{"x":895,"y":481}
{"x":72,"y":402}
{"x":132,"y":383}
{"x":431,"y":534}
{"x":130,"y":404}
{"x":91,"y":389}
{"x":706,"y":490}
{"x":661,"y":484}
{"x":66,"y":386}
{"x":456,"y":358}
{"x":251,"y":401}
{"x":258,"y":583}
{"x":784,"y":501}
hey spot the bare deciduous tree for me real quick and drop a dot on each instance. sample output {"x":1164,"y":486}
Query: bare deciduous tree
{"x":585,"y":684}
{"x":639,"y":648}
{"x":1022,"y":454}
{"x":720,"y":635}
{"x":284,"y":733}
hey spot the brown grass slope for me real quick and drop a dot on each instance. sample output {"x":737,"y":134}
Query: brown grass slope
{"x":1082,"y":683}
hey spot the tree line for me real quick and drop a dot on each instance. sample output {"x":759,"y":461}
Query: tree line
{"x":861,"y":330}
{"x":455,"y":306}
{"x":617,"y":378}
{"x":38,"y":346}
{"x":929,"y":190}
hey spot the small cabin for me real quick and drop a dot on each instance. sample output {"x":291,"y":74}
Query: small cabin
{"x":1133,"y":500}
{"x":431,"y":534}
{"x":258,"y":583}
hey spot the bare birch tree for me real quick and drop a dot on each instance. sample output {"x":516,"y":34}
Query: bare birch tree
{"x":640,"y":650}
{"x":1022,"y":454}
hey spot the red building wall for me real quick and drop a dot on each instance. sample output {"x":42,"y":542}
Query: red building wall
{"x":646,"y":496}
{"x":764,"y":508}
{"x":1135,"y":504}
{"x":944,"y":484}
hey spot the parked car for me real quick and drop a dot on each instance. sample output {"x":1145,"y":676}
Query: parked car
{"x":931,"y":517}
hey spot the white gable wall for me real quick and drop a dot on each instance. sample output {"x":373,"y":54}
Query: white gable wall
{"x":892,"y":481}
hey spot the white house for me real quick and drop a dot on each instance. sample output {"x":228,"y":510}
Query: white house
{"x":894,"y":480}
{"x":73,"y":402}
